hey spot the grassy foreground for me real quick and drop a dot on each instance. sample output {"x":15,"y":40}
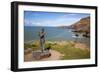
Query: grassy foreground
{"x":68,"y":49}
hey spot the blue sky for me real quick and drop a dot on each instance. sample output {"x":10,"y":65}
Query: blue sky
{"x":32,"y":18}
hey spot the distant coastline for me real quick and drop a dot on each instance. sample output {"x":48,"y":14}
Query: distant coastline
{"x":82,"y":27}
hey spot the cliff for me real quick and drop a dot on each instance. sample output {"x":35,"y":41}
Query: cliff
{"x":83,"y":25}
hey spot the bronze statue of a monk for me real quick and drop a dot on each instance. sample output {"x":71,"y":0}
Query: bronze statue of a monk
{"x":42,"y":39}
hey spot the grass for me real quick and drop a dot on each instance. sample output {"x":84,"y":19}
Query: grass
{"x":66,"y":48}
{"x":70,"y":52}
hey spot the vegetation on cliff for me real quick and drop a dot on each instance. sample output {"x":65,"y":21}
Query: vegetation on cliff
{"x":82,"y":26}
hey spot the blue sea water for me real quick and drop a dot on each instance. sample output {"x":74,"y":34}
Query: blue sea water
{"x":51,"y":33}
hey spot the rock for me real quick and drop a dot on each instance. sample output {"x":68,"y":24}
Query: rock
{"x":37,"y":55}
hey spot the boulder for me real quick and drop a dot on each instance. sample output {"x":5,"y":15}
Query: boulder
{"x":37,"y":55}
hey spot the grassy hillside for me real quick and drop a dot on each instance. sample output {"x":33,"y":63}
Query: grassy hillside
{"x":82,"y":26}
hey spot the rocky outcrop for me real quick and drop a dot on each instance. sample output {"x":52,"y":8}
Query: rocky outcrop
{"x":82,"y":26}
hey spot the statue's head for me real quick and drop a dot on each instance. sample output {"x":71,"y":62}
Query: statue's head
{"x":42,"y":29}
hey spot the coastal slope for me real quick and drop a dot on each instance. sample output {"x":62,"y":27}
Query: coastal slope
{"x":83,"y":25}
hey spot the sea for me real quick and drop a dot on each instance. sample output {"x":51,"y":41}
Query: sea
{"x":31,"y":33}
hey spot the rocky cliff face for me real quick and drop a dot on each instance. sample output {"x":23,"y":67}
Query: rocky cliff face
{"x":82,"y":26}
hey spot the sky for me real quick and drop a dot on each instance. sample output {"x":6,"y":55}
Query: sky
{"x":35,"y":18}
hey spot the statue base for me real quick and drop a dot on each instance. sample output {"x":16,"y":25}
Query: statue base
{"x":37,"y":55}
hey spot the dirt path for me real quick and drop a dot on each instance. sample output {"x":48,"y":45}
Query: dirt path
{"x":55,"y":55}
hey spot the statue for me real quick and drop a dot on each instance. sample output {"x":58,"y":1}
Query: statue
{"x":37,"y":55}
{"x":42,"y":39}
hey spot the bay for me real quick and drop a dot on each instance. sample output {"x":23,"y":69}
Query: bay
{"x":31,"y":33}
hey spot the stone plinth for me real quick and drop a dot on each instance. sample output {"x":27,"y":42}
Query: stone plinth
{"x":37,"y":55}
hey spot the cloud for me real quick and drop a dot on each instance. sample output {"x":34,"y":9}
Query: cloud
{"x":57,"y":22}
{"x":31,"y":23}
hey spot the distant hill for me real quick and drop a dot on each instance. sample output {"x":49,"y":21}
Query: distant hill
{"x":83,"y":25}
{"x":68,"y":27}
